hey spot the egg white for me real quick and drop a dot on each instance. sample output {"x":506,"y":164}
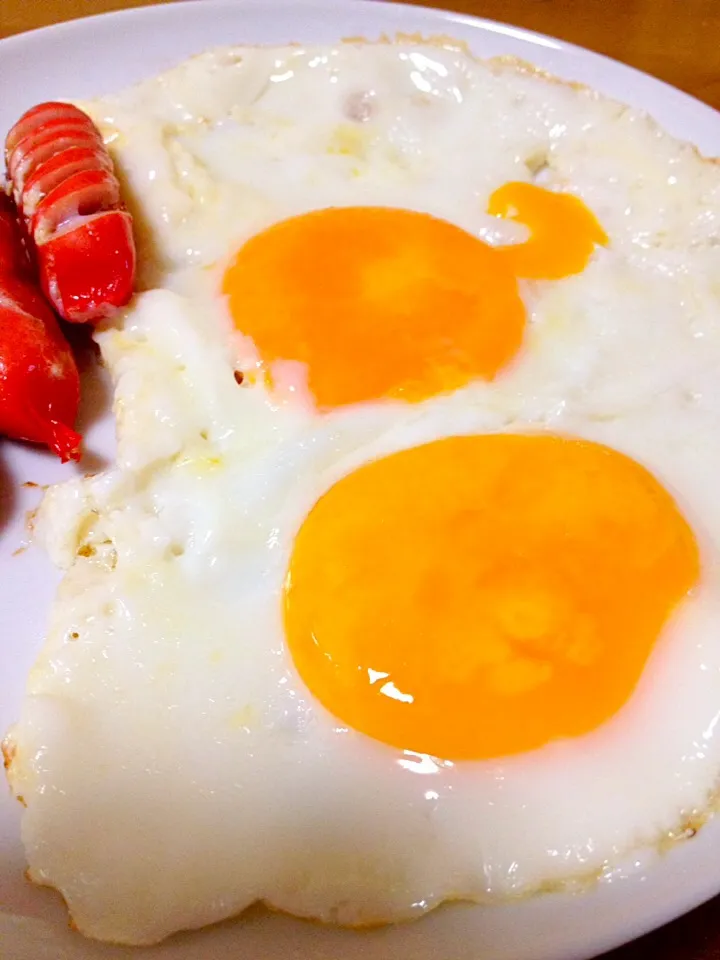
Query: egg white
{"x":174,"y":767}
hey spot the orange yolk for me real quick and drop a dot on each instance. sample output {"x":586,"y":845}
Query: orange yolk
{"x":378,"y":302}
{"x":481,"y":596}
{"x":563,"y":232}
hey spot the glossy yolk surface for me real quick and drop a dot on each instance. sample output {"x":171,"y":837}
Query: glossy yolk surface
{"x":379,"y":302}
{"x":563,"y":232}
{"x":480,"y":596}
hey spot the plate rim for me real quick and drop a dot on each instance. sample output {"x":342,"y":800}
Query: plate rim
{"x":447,"y":19}
{"x":503,"y":28}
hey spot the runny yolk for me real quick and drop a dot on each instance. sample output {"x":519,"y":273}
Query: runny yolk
{"x":563,"y":232}
{"x":379,"y":302}
{"x":480,"y":596}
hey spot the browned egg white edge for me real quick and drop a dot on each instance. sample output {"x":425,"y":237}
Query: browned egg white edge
{"x":690,"y":822}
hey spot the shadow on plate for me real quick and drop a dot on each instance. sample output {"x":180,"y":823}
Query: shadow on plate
{"x":95,"y":395}
{"x":8,"y":493}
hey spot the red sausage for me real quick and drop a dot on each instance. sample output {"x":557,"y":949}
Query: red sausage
{"x":39,"y":382}
{"x":79,"y":231}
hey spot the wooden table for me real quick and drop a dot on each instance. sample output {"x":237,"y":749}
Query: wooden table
{"x":676,"y":40}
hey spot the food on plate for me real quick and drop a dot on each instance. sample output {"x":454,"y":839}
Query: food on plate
{"x":81,"y":236}
{"x":78,"y":242}
{"x":357,"y":625}
{"x":475,"y":551}
{"x":39,"y":382}
{"x":289,"y":285}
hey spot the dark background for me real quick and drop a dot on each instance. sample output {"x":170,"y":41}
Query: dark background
{"x":676,"y":40}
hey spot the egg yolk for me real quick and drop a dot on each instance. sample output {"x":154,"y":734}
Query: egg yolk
{"x":563,"y":232}
{"x":480,"y":596}
{"x":379,"y":302}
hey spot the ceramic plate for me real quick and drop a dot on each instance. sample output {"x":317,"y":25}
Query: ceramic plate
{"x":90,"y":57}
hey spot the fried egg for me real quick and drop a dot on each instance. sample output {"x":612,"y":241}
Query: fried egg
{"x":362,"y":619}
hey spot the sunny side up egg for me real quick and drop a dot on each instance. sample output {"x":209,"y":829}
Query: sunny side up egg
{"x":359,"y":622}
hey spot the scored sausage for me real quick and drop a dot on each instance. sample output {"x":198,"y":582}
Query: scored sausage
{"x":79,"y":232}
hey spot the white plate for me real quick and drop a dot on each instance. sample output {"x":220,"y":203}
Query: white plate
{"x":90,"y":57}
